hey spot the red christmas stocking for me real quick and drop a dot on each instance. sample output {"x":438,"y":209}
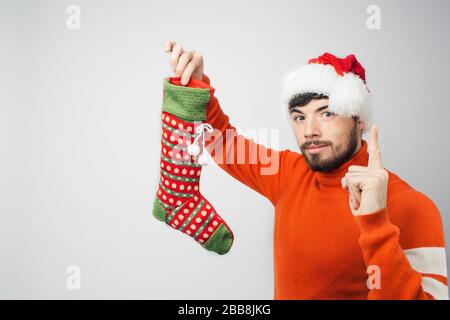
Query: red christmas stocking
{"x":178,"y":201}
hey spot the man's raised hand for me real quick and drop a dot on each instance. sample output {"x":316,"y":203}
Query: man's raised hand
{"x":367,"y":186}
{"x":186,"y":64}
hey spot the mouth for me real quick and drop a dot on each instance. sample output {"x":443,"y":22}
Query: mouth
{"x":314,"y":149}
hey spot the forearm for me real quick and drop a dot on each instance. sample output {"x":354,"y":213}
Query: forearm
{"x":247,"y":161}
{"x":391,"y":275}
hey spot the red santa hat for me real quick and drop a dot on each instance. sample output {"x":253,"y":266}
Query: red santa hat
{"x":342,"y":80}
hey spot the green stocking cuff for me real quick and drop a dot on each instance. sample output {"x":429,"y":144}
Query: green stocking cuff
{"x":184,"y":102}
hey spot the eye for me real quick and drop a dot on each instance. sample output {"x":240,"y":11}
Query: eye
{"x":328,"y":114}
{"x":299,"y":118}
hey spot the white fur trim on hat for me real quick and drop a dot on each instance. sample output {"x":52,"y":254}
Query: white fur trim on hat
{"x":348,"y":94}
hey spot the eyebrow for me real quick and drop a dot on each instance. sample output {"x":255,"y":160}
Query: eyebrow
{"x":298,"y":111}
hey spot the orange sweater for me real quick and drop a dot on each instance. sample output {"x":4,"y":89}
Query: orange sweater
{"x":321,"y":251}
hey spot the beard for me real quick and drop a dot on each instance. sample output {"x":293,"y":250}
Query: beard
{"x":337,"y":158}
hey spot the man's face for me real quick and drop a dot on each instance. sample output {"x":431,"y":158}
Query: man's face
{"x":325,"y":139}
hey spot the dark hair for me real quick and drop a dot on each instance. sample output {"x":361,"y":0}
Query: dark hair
{"x":303,"y":99}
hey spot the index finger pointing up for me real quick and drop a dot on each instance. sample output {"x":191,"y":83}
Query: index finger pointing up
{"x":374,"y":152}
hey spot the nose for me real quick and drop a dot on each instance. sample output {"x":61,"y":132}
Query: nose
{"x":311,"y":128}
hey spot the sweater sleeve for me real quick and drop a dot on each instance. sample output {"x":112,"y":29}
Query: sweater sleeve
{"x":249,"y":162}
{"x":404,"y":250}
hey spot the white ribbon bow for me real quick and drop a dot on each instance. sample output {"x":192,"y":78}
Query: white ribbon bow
{"x":194,"y":149}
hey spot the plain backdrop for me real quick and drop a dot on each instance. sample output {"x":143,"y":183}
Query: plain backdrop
{"x":80,"y":132}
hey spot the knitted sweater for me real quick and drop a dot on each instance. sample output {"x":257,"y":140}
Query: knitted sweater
{"x":321,"y":251}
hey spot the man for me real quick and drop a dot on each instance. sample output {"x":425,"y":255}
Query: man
{"x":345,"y":227}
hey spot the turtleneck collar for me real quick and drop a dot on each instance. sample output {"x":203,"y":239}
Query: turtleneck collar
{"x":333,"y":178}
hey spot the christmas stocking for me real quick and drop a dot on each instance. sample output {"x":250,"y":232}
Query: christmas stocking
{"x":178,"y":201}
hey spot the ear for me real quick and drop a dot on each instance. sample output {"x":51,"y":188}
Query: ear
{"x":361,"y":125}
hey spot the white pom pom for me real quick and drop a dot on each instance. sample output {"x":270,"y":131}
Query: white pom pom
{"x":193,"y":150}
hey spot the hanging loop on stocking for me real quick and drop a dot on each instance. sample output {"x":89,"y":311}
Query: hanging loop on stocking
{"x":194,"y":149}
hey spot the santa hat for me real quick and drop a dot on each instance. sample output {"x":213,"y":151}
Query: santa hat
{"x":342,"y":80}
